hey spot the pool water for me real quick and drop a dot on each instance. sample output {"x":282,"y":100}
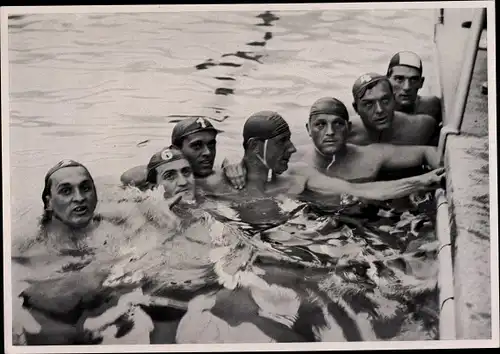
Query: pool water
{"x":106,"y":90}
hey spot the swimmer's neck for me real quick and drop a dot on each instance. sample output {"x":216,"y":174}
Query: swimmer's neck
{"x":63,"y":233}
{"x":379,"y":136}
{"x":322,"y":160}
{"x":200,"y":177}
{"x":408,"y":108}
{"x":256,"y":173}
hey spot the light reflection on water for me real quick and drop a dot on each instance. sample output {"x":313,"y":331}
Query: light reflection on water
{"x":92,"y":86}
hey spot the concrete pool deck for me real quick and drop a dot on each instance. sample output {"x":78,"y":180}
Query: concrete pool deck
{"x":467,"y":165}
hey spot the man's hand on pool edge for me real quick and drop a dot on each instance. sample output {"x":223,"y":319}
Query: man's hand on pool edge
{"x":434,"y":178}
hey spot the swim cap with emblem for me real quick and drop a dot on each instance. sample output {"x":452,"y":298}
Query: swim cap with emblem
{"x":60,"y":165}
{"x":189,"y":126}
{"x":264,"y":125}
{"x":364,"y":81}
{"x":405,"y":58}
{"x":329,"y":105}
{"x":165,"y":155}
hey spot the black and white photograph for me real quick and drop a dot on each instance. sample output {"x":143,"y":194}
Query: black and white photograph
{"x":244,"y":177}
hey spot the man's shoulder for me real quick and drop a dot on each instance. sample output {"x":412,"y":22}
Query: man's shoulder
{"x":215,"y":183}
{"x":430,"y":105}
{"x":293,"y":182}
{"x":358,"y":134}
{"x":408,"y":119}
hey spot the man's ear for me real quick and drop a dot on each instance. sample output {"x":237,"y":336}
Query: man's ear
{"x":307,"y":128}
{"x":349,"y":127}
{"x":422,"y":80}
{"x":48,"y":203}
{"x":253,"y":145}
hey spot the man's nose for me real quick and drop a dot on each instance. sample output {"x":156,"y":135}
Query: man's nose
{"x":329,"y":130}
{"x":205,"y":151}
{"x":181,"y":180}
{"x":292,"y":148}
{"x":406,"y":85}
{"x":378,"y":107}
{"x":78,"y":196}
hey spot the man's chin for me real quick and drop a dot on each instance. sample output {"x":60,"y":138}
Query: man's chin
{"x":329,"y":150}
{"x":406,"y":103}
{"x":204,"y":172}
{"x":79,"y":223}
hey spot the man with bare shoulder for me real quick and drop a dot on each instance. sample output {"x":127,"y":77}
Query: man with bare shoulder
{"x":268,"y":148}
{"x":329,"y":128}
{"x":379,"y":122}
{"x":405,"y":72}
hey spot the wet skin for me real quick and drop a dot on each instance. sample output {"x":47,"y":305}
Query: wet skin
{"x":200,"y":150}
{"x":379,"y":122}
{"x":177,"y":178}
{"x":406,"y":82}
{"x":73,"y":197}
{"x":278,"y":151}
{"x":328,"y":132}
{"x":376,"y":107}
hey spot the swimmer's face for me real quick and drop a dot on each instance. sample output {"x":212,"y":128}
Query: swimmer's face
{"x":279,"y":150}
{"x":199,"y":149}
{"x":376,"y":106}
{"x":406,"y":82}
{"x":328,"y":132}
{"x":177,"y":178}
{"x":73,"y":196}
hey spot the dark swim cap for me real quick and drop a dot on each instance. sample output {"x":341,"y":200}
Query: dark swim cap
{"x":264,"y":125}
{"x":406,"y":58}
{"x":329,"y":105}
{"x":61,"y":164}
{"x":161,"y":157}
{"x":189,"y":126}
{"x":364,"y":81}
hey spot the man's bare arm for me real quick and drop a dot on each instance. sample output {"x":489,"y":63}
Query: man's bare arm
{"x":403,"y":156}
{"x":327,"y":186}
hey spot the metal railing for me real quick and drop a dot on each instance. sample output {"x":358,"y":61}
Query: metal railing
{"x":454,"y":125}
{"x":447,"y":318}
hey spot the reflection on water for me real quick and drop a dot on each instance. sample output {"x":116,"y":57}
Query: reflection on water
{"x":373,"y":272}
{"x":106,"y":89}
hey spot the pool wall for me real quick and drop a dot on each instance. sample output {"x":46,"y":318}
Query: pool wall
{"x":463,"y":225}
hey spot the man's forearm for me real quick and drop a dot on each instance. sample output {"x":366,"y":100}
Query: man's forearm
{"x":387,"y":189}
{"x":431,"y":157}
{"x":327,"y":186}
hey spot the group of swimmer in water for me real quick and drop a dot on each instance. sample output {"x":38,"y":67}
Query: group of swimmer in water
{"x":396,"y":130}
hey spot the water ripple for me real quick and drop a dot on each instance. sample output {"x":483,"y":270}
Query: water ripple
{"x":117,"y":79}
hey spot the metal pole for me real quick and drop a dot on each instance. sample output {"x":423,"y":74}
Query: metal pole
{"x":462,"y":93}
{"x":447,"y":323}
